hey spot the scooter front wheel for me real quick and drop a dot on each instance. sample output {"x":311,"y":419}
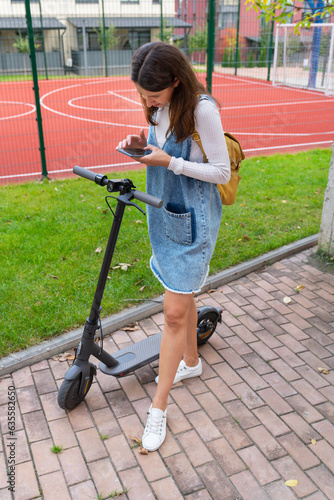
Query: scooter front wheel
{"x":69,"y":396}
{"x":206,"y":324}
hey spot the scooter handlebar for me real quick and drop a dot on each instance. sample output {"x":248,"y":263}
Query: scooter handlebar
{"x":147,"y":198}
{"x":103,"y":180}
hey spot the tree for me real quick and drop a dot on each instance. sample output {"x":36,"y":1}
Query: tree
{"x":198,"y":41}
{"x":22,"y":45}
{"x":283,"y":11}
{"x":106,"y":39}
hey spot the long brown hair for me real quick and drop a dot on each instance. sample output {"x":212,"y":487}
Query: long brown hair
{"x":155,"y":67}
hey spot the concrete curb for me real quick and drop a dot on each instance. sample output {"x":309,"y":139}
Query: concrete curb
{"x":69,"y":340}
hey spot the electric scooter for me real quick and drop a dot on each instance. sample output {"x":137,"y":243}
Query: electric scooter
{"x":79,"y":377}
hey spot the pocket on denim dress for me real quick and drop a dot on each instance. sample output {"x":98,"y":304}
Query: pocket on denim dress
{"x":178,"y":227}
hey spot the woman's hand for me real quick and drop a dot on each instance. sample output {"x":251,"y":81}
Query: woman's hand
{"x":158,"y":157}
{"x":134,"y":141}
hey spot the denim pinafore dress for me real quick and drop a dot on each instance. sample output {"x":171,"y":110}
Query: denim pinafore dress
{"x":184,"y":231}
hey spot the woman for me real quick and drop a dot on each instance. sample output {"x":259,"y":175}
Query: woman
{"x":183,"y":233}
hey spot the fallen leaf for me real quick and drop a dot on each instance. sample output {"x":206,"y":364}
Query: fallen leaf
{"x":56,"y":189}
{"x":143,"y":451}
{"x":54,"y":277}
{"x":135,"y":439}
{"x":284,"y":201}
{"x":139,"y":221}
{"x":323,"y":370}
{"x":291,"y":482}
{"x":299,"y":287}
{"x":141,"y":289}
{"x":313,"y":441}
{"x":245,"y":237}
{"x":66,"y":356}
{"x":240,"y":239}
{"x":130,"y":328}
{"x":98,"y":250}
{"x":124,"y":266}
{"x":287,"y":300}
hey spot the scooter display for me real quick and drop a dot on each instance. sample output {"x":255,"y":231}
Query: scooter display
{"x":80,"y":375}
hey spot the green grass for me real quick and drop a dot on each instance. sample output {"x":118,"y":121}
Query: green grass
{"x":49,"y":233}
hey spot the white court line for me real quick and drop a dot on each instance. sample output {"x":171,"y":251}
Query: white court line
{"x":287,"y":103}
{"x":289,"y":146}
{"x":112,"y":165}
{"x":22,"y":114}
{"x":70,"y":103}
{"x":274,"y":134}
{"x":78,"y":117}
{"x":125,"y":98}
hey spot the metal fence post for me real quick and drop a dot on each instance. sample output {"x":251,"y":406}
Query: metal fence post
{"x":42,"y":31}
{"x":211,"y":44}
{"x":36,"y":90}
{"x":237,"y":41}
{"x":104,"y":41}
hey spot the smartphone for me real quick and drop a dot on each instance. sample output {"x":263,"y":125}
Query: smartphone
{"x":134,"y":152}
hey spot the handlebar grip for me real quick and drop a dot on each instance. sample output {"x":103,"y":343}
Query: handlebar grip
{"x":147,"y":198}
{"x":83,"y":172}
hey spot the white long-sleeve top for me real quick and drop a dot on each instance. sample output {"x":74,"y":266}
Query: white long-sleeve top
{"x":209,"y":127}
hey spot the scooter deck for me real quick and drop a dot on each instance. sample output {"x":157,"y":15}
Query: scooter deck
{"x":134,"y":356}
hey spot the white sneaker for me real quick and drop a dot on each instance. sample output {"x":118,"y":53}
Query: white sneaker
{"x":155,"y":430}
{"x":185,"y":371}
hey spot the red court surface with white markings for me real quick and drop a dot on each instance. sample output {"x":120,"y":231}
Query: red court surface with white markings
{"x":84,"y":120}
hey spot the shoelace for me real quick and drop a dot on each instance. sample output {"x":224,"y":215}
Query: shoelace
{"x":154,"y":424}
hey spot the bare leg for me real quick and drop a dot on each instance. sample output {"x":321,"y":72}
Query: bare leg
{"x":190,"y":354}
{"x":177,"y":308}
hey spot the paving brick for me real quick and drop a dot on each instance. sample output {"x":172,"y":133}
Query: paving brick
{"x":22,"y":452}
{"x":247,"y":395}
{"x":279,"y":491}
{"x":45,"y":460}
{"x":312,"y":360}
{"x":227,"y":374}
{"x":166,"y":489}
{"x":247,"y":486}
{"x":327,"y":410}
{"x":324,"y":479}
{"x":183,"y":473}
{"x":210,"y":355}
{"x":279,"y":385}
{"x":91,"y":444}
{"x":233,"y":433}
{"x":62,"y":433}
{"x":83,"y":490}
{"x":195,"y":385}
{"x":268,"y":339}
{"x":312,"y":376}
{"x":257,"y":363}
{"x":326,"y":429}
{"x":36,"y":426}
{"x":132,"y":388}
{"x":322,"y":338}
{"x":250,"y":323}
{"x":120,"y":452}
{"x":317,"y":496}
{"x":26,"y":485}
{"x":50,"y":406}
{"x":271,"y":421}
{"x":226,"y":457}
{"x":216,"y":342}
{"x":258,"y":465}
{"x":131,"y":426}
{"x":204,"y":426}
{"x":135,"y":482}
{"x":276,"y":317}
{"x":80,"y":418}
{"x":96,"y":399}
{"x":254,"y":380}
{"x":119,"y":403}
{"x":278,"y":306}
{"x":238,"y":345}
{"x":300,"y":427}
{"x":216,"y":482}
{"x":21,"y":378}
{"x":184,"y":399}
{"x":298,"y":451}
{"x":317,"y":349}
{"x":232,"y":358}
{"x":232,"y":308}
{"x":105,"y":422}
{"x":170,"y":446}
{"x":276,"y":403}
{"x":254,"y":312}
{"x":241,"y":414}
{"x":229,"y":320}
{"x":289,"y":357}
{"x":28,"y":399}
{"x":108,"y":383}
{"x":322,"y":323}
{"x":304,"y":408}
{"x":308,"y":391}
{"x":152,"y":465}
{"x":263,"y":350}
{"x":221,"y":390}
{"x":295,"y":332}
{"x":325,"y":452}
{"x":54,"y":486}
{"x":194,"y":448}
{"x":284,"y":370}
{"x":176,"y":421}
{"x":292,"y":343}
{"x":104,"y":476}
{"x":211,"y":406}
{"x":44,"y":381}
{"x":267,"y":444}
{"x":289,"y":470}
{"x":328,"y":392}
{"x":74,"y":466}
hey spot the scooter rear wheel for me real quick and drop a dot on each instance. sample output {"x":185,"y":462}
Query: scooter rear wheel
{"x":206,"y":325}
{"x":68,"y":395}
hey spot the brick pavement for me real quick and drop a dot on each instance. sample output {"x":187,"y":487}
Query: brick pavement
{"x":238,"y":432}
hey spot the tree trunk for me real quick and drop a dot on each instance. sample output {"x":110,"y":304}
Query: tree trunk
{"x":326,"y":235}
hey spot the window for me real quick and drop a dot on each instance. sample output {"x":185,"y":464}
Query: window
{"x":86,"y":1}
{"x":138,"y":38}
{"x":92,"y":41}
